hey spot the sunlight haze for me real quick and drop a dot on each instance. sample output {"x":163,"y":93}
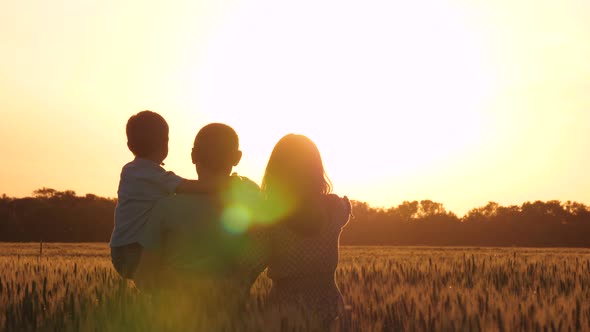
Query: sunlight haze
{"x":455,"y":101}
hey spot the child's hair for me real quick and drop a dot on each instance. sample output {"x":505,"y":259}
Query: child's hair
{"x":146,"y":131}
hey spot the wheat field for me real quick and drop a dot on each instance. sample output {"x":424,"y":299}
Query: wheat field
{"x":72,"y":287}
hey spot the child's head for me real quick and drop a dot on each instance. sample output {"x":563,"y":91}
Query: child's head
{"x":147,"y":136}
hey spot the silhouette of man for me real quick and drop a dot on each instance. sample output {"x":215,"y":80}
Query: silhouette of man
{"x":194,"y":242}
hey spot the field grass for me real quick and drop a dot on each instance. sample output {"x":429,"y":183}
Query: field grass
{"x":73,"y":287}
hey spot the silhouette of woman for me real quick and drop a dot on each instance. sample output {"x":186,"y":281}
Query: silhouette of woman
{"x":309,"y":220}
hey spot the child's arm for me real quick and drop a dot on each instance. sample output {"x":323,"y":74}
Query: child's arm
{"x":200,"y":186}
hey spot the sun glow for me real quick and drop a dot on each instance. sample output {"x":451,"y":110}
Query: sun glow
{"x":390,"y":87}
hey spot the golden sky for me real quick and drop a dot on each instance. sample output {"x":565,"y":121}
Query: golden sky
{"x":457,"y":101}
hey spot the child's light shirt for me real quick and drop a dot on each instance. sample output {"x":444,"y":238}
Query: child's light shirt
{"x":143,"y":182}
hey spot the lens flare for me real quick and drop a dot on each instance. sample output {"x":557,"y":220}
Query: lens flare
{"x":236,"y":218}
{"x":241,"y":203}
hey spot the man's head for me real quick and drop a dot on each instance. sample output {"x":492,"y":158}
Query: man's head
{"x":147,"y":136}
{"x":216,"y":149}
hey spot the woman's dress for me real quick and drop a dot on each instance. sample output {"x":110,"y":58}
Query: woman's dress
{"x":302,"y":267}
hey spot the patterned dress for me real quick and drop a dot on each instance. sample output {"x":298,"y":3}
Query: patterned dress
{"x":302,"y":267}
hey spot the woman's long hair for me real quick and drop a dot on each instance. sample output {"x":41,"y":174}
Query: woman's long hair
{"x":294,"y":184}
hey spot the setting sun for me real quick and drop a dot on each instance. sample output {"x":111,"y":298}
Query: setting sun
{"x":387,"y":93}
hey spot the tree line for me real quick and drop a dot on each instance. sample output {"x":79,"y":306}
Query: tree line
{"x":532,"y":224}
{"x":62,"y":216}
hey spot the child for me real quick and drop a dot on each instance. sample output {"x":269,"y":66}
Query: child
{"x":143,"y":181}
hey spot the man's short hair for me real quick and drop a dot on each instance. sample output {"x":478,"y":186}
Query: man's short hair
{"x":146,"y":132}
{"x":216,"y":145}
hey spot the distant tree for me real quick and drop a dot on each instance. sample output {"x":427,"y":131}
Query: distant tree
{"x":429,"y":208}
{"x":91,"y":197}
{"x":68,"y":194}
{"x":408,"y":210}
{"x":44,"y":193}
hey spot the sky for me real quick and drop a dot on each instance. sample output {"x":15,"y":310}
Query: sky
{"x":461,"y":102}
